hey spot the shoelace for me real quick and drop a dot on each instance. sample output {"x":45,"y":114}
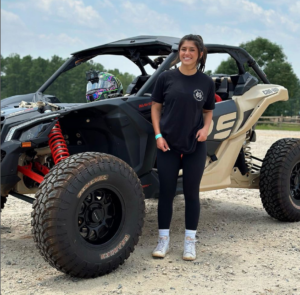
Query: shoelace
{"x":161,"y":244}
{"x":190,"y":247}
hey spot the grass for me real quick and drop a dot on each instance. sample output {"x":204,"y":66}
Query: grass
{"x":286,"y":127}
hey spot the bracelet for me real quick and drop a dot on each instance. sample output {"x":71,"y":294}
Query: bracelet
{"x":158,"y":136}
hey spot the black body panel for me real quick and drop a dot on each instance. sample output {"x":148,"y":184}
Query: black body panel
{"x":246,"y":116}
{"x":221,"y":109}
{"x":9,"y":164}
{"x":222,"y":128}
{"x":150,"y":185}
{"x":112,"y":127}
{"x":244,"y":83}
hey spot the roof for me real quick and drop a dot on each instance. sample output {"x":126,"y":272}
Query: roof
{"x":148,"y":45}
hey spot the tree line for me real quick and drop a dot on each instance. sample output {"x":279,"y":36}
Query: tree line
{"x":26,"y":75}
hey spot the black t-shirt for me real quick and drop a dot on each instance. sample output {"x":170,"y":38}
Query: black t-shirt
{"x":185,"y":97}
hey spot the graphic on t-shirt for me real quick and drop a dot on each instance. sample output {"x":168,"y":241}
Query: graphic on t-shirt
{"x":198,"y":95}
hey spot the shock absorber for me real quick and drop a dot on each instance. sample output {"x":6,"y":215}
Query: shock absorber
{"x":247,"y":152}
{"x":58,"y":144}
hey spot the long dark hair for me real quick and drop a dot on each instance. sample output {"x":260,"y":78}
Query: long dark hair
{"x":198,"y":41}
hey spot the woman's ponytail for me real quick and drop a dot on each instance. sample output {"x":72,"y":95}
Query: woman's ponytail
{"x":202,"y":61}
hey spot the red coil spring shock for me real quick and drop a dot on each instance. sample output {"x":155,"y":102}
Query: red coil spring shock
{"x":58,"y":144}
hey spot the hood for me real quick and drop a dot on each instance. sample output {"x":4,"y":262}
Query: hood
{"x":10,"y":107}
{"x":13,"y":101}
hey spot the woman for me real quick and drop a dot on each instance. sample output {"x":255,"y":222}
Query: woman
{"x":182,"y":130}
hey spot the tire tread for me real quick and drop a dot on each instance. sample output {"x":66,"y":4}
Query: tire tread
{"x":273,"y":173}
{"x":47,"y":228}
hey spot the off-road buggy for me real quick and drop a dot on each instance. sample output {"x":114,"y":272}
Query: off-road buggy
{"x":91,"y":165}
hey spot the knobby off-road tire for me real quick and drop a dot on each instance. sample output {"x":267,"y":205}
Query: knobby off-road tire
{"x":88,"y":214}
{"x":3,"y":201}
{"x":280,"y":180}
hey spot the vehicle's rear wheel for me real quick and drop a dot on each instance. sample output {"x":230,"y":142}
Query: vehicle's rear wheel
{"x":3,"y":201}
{"x":88,"y":214}
{"x":280,"y":180}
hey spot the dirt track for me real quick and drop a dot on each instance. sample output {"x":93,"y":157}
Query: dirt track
{"x":241,"y":250}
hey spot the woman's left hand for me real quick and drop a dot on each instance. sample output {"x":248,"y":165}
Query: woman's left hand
{"x":202,"y":134}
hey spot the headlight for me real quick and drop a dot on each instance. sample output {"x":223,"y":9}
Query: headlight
{"x":12,"y":130}
{"x":33,"y":132}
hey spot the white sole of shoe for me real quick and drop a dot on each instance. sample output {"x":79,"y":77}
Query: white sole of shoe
{"x":188,"y":258}
{"x":157,"y":255}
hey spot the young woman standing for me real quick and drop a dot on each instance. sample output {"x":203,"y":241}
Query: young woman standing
{"x":182,"y":130}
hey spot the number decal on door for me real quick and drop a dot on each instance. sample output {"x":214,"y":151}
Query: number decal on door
{"x":224,"y":122}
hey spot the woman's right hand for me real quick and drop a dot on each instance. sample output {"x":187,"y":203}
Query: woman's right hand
{"x":162,"y":144}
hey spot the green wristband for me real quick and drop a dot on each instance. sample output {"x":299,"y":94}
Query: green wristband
{"x":158,"y":136}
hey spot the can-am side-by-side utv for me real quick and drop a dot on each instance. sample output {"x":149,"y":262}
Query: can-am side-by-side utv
{"x":90,"y":165}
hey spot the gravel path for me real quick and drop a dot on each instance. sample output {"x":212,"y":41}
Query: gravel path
{"x":241,"y":250}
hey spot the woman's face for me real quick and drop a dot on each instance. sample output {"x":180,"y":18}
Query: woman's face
{"x":188,"y":54}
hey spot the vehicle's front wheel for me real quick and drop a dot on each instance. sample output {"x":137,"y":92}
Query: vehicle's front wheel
{"x":88,"y":214}
{"x":280,"y":180}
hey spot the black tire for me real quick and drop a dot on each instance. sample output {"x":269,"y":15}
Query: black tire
{"x":280,"y":180}
{"x":3,"y":201}
{"x":88,"y":214}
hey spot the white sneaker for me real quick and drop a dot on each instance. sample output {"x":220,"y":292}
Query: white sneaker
{"x":189,"y":252}
{"x":162,"y":247}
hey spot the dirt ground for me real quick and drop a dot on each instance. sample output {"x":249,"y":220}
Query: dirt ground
{"x":241,"y":250}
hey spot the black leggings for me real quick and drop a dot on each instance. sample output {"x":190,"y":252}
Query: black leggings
{"x":169,"y":164}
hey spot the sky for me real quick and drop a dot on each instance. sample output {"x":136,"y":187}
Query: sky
{"x":60,"y":27}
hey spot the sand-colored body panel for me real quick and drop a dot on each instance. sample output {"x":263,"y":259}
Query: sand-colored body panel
{"x":221,"y":169}
{"x":256,"y":101}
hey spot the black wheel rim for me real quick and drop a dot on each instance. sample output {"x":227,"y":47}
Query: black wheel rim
{"x":295,"y":184}
{"x":100,"y":216}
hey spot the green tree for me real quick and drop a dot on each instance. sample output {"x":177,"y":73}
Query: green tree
{"x":208,"y":72}
{"x":24,"y":81}
{"x":10,"y":76}
{"x":228,"y":67}
{"x":26,"y":75}
{"x":271,"y":58}
{"x":3,"y":80}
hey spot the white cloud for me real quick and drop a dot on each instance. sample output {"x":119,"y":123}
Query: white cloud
{"x":44,"y":4}
{"x":106,"y":3}
{"x":187,"y":2}
{"x":294,"y":9}
{"x":108,"y":37}
{"x":9,"y":19}
{"x":17,"y":38}
{"x":17,"y":5}
{"x":246,"y":11}
{"x":61,"y":40}
{"x":272,"y":19}
{"x":14,"y":33}
{"x":218,"y":34}
{"x":149,"y":20}
{"x":73,"y":11}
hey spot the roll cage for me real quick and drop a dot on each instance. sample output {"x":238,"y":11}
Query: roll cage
{"x":138,"y":49}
